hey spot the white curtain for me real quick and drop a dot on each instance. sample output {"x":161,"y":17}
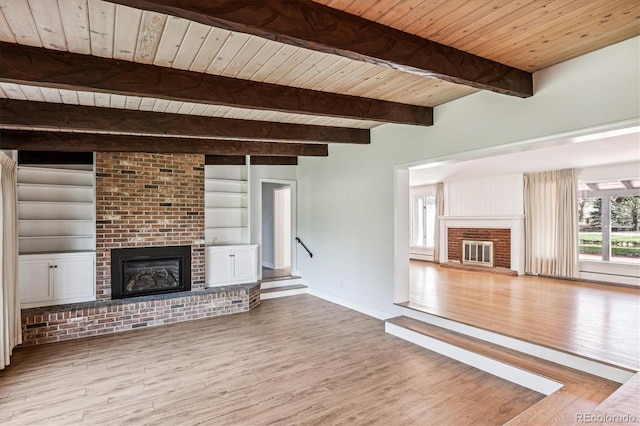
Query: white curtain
{"x":551,"y":223}
{"x":439,"y":212}
{"x":10,"y":321}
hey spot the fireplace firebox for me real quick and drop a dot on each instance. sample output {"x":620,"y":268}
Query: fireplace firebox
{"x":142,"y":271}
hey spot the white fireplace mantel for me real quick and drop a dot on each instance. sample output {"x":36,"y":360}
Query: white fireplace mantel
{"x":513,"y":223}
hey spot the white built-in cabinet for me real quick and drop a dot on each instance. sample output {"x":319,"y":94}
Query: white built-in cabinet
{"x":226,"y":205}
{"x":229,"y":258}
{"x":56,"y":230}
{"x":227,"y":265}
{"x":53,"y":279}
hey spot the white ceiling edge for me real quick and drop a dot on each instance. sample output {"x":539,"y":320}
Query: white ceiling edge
{"x":580,"y":150}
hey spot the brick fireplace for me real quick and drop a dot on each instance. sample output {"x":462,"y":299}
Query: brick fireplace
{"x":506,"y":232}
{"x":148,"y":200}
{"x":501,"y":239}
{"x":143,"y":201}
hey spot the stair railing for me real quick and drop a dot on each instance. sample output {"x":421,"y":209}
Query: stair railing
{"x":305,"y":247}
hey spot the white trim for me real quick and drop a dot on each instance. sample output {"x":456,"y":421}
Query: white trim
{"x":351,"y":305}
{"x":268,"y":264}
{"x":610,"y":279}
{"x":573,"y":136}
{"x":627,"y":274}
{"x":500,"y":369}
{"x":421,"y":256}
{"x":401,"y":235}
{"x":618,"y":375}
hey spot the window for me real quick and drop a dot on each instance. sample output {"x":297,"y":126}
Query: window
{"x":609,"y":213}
{"x":423,"y":220}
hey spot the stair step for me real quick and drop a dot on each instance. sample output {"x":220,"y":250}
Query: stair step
{"x":280,"y":282}
{"x":282,"y":288}
{"x":573,"y":390}
{"x":604,"y":369}
{"x":282,"y":291}
{"x":511,"y":365}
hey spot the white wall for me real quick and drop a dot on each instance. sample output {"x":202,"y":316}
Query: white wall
{"x":610,"y":172}
{"x":346,"y":201}
{"x":486,"y":196}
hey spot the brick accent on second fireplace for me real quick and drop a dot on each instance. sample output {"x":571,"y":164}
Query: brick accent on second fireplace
{"x":501,"y":243}
{"x":145,"y":200}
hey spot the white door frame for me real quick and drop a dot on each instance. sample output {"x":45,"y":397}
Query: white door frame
{"x":282,"y":223}
{"x":294,"y":223}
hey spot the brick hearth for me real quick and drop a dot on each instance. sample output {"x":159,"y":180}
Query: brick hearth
{"x":65,"y":322}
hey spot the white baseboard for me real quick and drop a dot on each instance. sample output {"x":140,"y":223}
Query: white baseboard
{"x":268,"y":265}
{"x":351,"y":305}
{"x":610,"y":279}
{"x":418,"y":256}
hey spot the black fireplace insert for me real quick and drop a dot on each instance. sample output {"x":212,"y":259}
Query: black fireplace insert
{"x":142,"y":271}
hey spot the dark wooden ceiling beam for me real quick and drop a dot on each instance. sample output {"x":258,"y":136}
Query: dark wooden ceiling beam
{"x":237,"y":160}
{"x":314,"y":26}
{"x":28,"y":140}
{"x":63,"y":70}
{"x":225,"y":160}
{"x":46,"y":115}
{"x":273,"y":161}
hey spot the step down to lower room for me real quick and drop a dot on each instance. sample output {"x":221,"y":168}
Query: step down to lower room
{"x":568,"y":391}
{"x":272,"y":289}
{"x":471,"y":351}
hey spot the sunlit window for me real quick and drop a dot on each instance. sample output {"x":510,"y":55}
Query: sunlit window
{"x":423,"y":220}
{"x":609,"y":216}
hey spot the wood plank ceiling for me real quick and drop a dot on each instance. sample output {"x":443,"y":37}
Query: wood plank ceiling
{"x":230,"y":73}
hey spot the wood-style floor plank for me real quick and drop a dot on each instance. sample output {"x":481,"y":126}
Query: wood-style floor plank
{"x":294,"y":360}
{"x":595,"y":321}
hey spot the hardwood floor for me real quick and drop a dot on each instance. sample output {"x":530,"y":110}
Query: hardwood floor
{"x":295,"y":360}
{"x":596,"y":321}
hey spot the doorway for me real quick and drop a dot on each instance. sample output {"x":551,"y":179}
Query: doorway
{"x":277,"y":230}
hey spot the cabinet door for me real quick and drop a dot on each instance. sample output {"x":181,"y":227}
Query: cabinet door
{"x":245,"y":264}
{"x":74,"y":279}
{"x":218,"y":266}
{"x":36,"y":285}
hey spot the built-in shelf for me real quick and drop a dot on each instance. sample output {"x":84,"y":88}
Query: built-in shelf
{"x":56,"y":210}
{"x":41,"y":202}
{"x":50,"y":185}
{"x":43,"y":237}
{"x":226,"y":205}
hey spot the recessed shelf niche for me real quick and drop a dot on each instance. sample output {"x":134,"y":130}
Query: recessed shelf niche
{"x":56,"y":209}
{"x":226,"y":205}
